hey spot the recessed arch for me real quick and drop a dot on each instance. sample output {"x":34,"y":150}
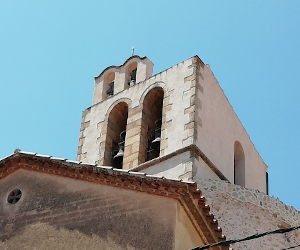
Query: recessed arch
{"x":159,"y":84}
{"x":239,"y":164}
{"x":151,"y":123}
{"x":108,"y":85}
{"x":130,"y":76}
{"x":124,"y":99}
{"x":115,"y":135}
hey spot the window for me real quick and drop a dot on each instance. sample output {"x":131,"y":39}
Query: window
{"x":108,"y":85}
{"x":239,"y":164}
{"x":267,"y":183}
{"x":131,"y":71}
{"x":152,"y":122}
{"x":14,"y":196}
{"x":115,"y":137}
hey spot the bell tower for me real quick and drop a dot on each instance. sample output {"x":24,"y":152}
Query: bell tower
{"x":177,"y":124}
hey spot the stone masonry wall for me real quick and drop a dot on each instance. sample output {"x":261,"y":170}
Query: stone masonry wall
{"x":242,"y":212}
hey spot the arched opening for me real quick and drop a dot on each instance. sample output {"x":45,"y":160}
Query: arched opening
{"x":239,"y":164}
{"x":131,"y":74}
{"x":151,"y":124}
{"x":115,"y":138}
{"x":267,"y":183}
{"x":108,"y":85}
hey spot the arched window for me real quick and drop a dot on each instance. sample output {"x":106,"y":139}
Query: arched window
{"x":115,"y":138}
{"x":239,"y":164}
{"x":151,"y":124}
{"x":108,"y":85}
{"x":131,"y":71}
{"x":267,"y":183}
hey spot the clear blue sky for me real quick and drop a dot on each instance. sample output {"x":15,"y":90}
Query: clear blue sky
{"x":50,"y":52}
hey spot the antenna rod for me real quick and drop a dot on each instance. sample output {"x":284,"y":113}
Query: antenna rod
{"x":132,"y":50}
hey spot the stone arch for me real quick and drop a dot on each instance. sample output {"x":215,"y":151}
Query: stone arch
{"x":152,"y":113}
{"x":116,"y":122}
{"x":239,"y":164}
{"x":152,"y":86}
{"x":126,"y":100}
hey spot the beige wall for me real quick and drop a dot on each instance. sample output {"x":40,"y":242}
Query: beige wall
{"x":186,"y":237}
{"x":220,"y":129}
{"x":61,"y":213}
{"x":186,"y":166}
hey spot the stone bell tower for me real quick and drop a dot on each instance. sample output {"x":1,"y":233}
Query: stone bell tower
{"x":177,"y":124}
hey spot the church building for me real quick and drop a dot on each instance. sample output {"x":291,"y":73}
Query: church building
{"x":163,"y":162}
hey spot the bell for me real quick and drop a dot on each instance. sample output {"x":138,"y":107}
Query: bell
{"x":119,"y":154}
{"x":157,"y":139}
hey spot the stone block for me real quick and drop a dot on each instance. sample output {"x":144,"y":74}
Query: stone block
{"x":166,"y":101}
{"x":133,"y":139}
{"x":167,"y":108}
{"x":134,"y":131}
{"x":189,"y":110}
{"x":133,"y":124}
{"x":86,"y":124}
{"x":128,"y":150}
{"x":190,"y":78}
{"x":190,"y":92}
{"x":134,"y":117}
{"x":135,"y":147}
{"x":188,"y":141}
{"x":130,"y":158}
{"x":167,"y":124}
{"x":81,"y":142}
{"x":189,"y":125}
{"x":164,"y":143}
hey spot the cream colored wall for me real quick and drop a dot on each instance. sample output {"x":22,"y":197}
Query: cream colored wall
{"x":202,"y":171}
{"x":176,"y":167}
{"x":220,"y":129}
{"x":186,"y":236}
{"x":182,"y":166}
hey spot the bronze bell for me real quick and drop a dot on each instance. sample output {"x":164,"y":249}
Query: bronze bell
{"x":119,"y":154}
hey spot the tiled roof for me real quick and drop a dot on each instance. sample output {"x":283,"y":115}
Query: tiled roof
{"x":185,"y":192}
